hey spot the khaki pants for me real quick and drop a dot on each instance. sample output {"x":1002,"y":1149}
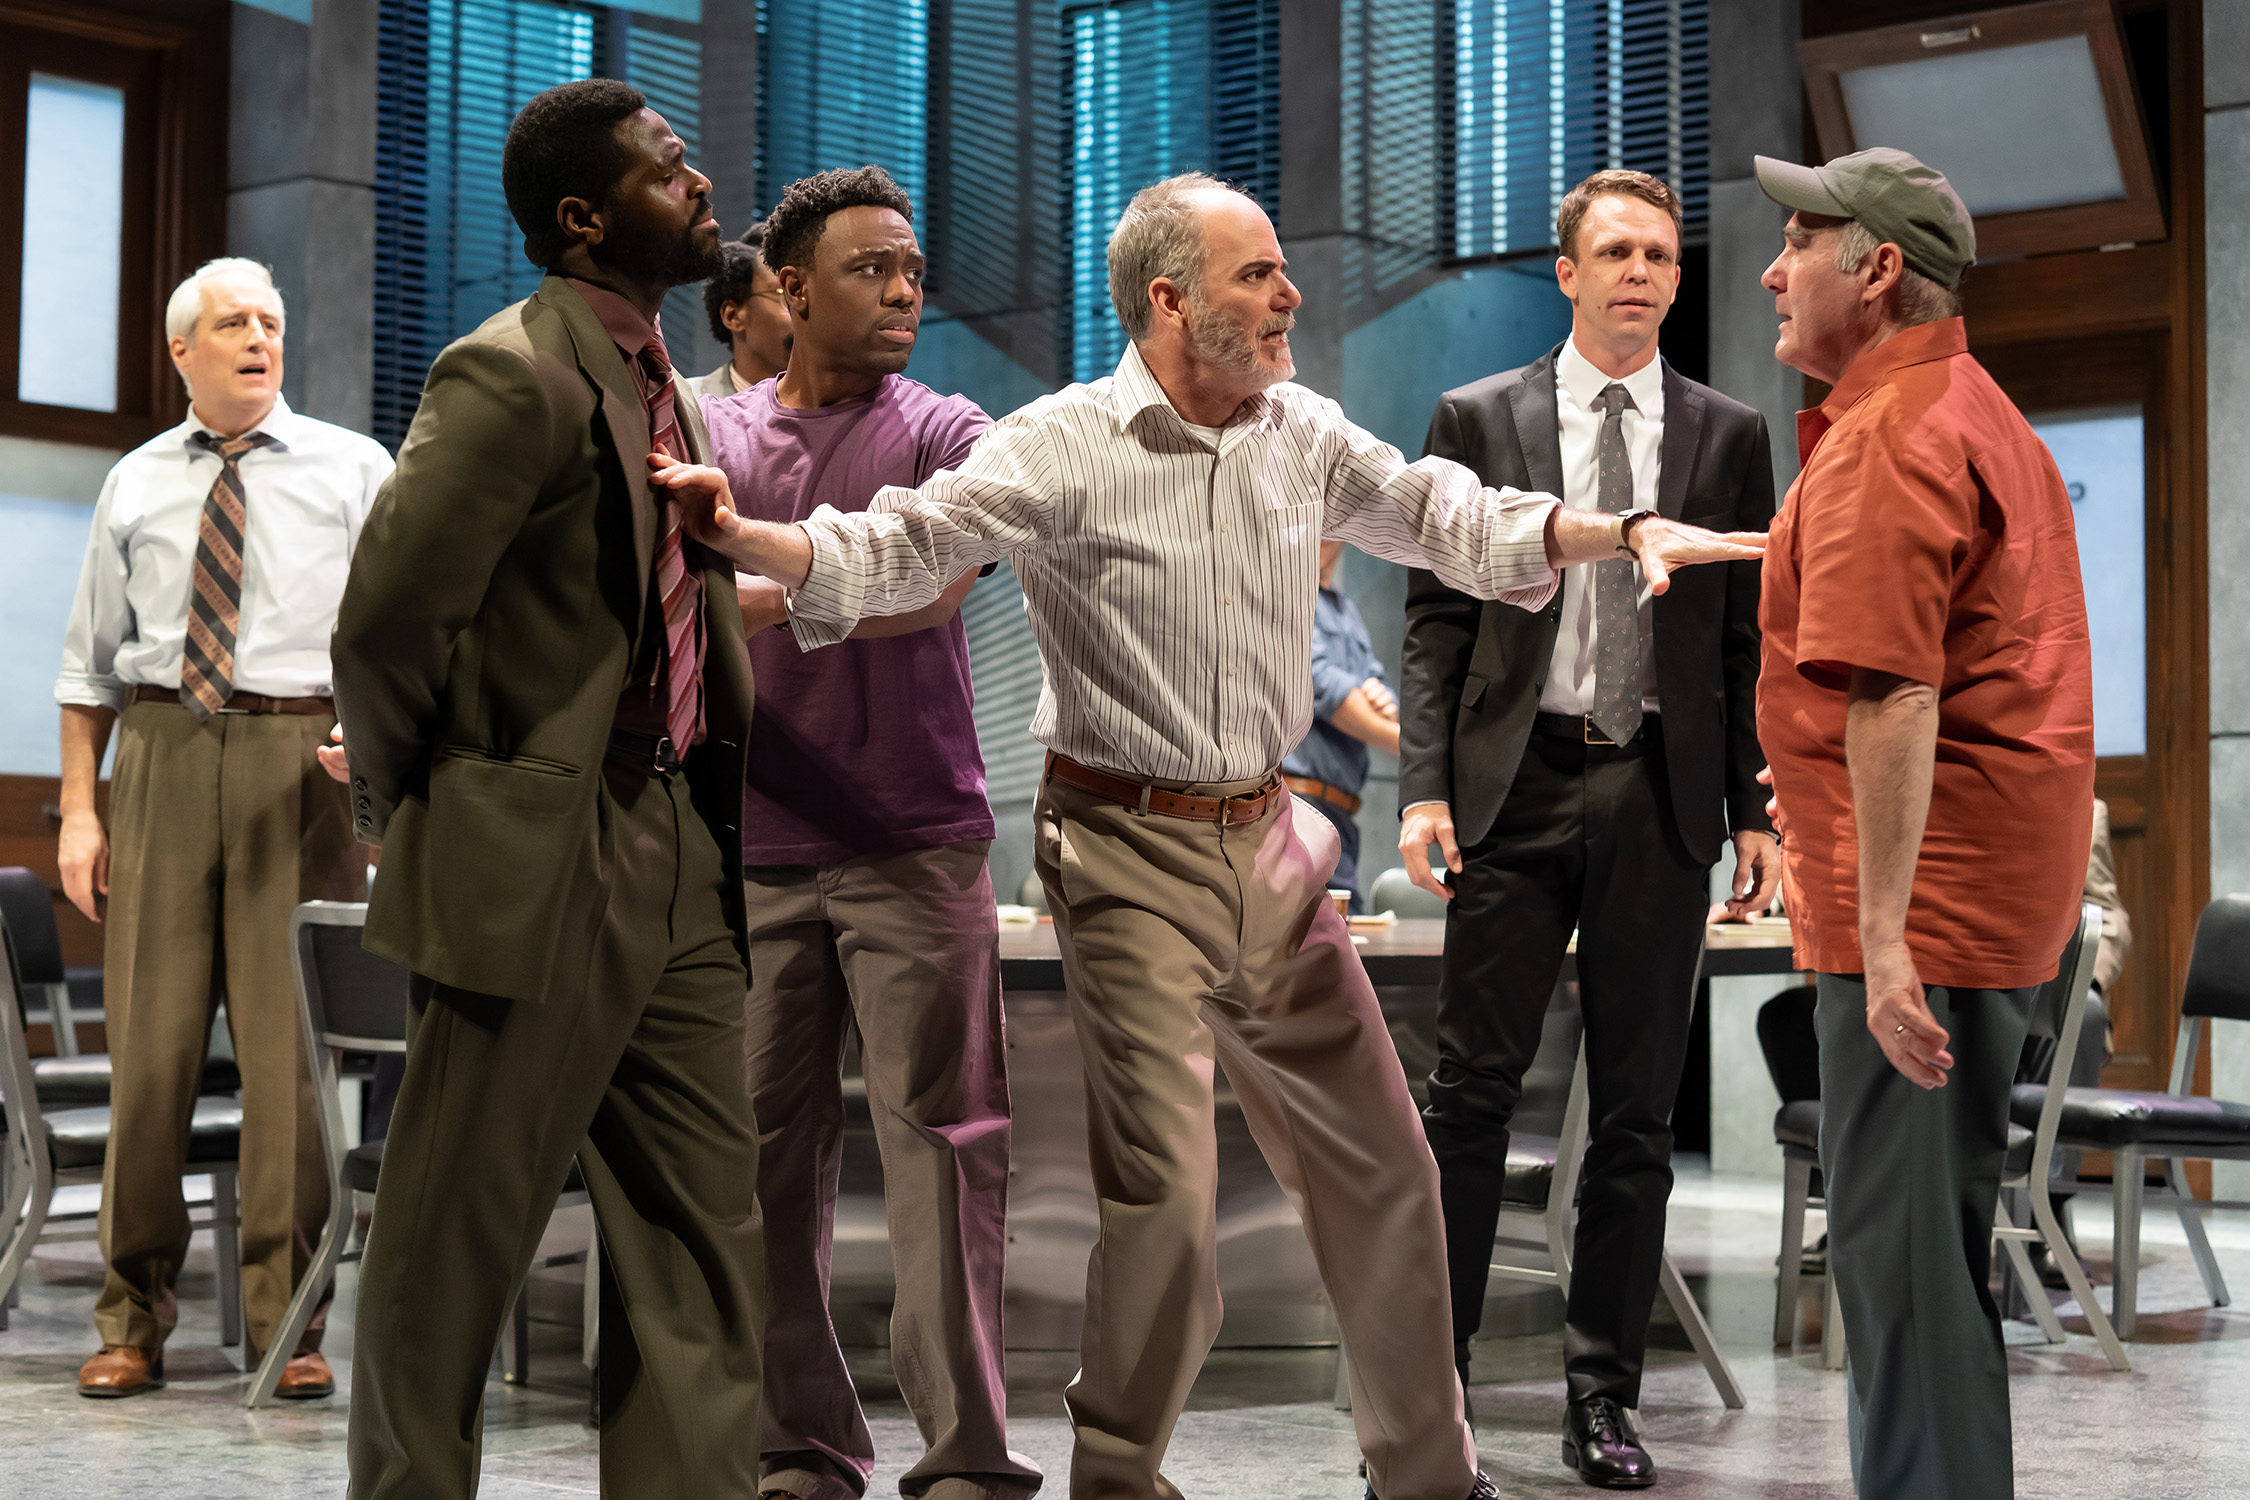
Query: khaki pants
{"x":904,"y":947}
{"x":218,"y":828}
{"x":634,"y":1065}
{"x":1185,"y":945}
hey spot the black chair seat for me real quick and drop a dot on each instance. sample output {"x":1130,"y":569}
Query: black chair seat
{"x":2108,"y":1118}
{"x":83,"y":1082}
{"x":362,"y":1166}
{"x":1530,"y":1176}
{"x":1798,"y":1124}
{"x":80,"y":1137}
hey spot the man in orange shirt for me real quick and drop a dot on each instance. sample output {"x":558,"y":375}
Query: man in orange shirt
{"x":1926,"y":707}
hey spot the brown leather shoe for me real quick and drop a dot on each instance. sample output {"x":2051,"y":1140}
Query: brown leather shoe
{"x":121,"y":1370}
{"x":305,"y":1378}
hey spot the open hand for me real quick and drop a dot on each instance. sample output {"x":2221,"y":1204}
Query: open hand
{"x":706,"y":502}
{"x":1661,"y":545}
{"x":1898,"y":1016}
{"x":1425,"y":824}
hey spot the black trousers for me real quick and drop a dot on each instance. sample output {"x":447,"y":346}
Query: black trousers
{"x":1586,"y":840}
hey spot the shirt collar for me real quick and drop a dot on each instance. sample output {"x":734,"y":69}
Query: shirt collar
{"x":281,"y":424}
{"x":1919,"y":345}
{"x":1582,"y":382}
{"x":1134,"y":389}
{"x":620,"y":319}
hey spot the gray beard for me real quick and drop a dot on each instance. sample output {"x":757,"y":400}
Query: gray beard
{"x":1230,"y":346}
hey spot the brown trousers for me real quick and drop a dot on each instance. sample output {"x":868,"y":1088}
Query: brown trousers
{"x":1186,"y":945}
{"x":903,"y":947}
{"x":218,"y":828}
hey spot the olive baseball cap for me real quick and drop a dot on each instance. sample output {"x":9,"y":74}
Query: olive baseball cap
{"x":1898,"y":199}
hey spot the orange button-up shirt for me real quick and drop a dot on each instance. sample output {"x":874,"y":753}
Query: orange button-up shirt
{"x":1930,"y":537}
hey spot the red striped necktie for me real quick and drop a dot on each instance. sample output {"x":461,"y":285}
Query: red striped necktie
{"x":214,"y":614}
{"x":678,"y":589}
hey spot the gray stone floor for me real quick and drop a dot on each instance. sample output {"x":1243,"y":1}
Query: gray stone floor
{"x":1260,"y":1422}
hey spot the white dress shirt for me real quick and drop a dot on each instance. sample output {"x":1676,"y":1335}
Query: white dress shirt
{"x":1170,"y":572}
{"x":307,"y":494}
{"x":1570,"y":675}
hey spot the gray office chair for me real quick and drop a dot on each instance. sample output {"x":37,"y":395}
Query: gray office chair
{"x":2175,"y":1126}
{"x":1395,"y":891}
{"x":351,"y":1000}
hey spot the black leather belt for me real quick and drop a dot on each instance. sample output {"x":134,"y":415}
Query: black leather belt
{"x":1583,"y":729}
{"x":649,"y":754}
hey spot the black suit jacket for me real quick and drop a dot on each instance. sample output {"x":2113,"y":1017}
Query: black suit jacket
{"x":1474,"y":669}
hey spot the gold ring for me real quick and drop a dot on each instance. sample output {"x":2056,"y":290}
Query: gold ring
{"x":1899,"y":1029}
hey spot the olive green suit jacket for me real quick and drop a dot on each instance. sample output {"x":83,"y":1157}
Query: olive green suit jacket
{"x":495,"y":604}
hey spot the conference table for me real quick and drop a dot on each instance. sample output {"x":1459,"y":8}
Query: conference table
{"x":1406,"y":952}
{"x":1272,"y":1289}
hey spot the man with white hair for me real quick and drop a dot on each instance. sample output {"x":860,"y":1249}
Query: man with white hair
{"x":1166,"y":525}
{"x":200,"y":631}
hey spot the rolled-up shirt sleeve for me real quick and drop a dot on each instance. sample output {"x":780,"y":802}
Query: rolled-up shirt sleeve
{"x":901,"y":552}
{"x":101,"y":618}
{"x":1436,"y":514}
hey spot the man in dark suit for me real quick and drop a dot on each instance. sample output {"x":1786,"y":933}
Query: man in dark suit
{"x":545,"y":695}
{"x":1581,"y":767}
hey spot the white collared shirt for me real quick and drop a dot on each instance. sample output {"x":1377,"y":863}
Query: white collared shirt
{"x":1169,"y":573}
{"x":307,"y":494}
{"x":1570,"y":673}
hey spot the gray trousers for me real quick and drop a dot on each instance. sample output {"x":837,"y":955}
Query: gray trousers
{"x":1913,"y":1176}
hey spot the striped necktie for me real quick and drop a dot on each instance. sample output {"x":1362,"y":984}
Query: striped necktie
{"x":214,"y":615}
{"x":679,"y":590}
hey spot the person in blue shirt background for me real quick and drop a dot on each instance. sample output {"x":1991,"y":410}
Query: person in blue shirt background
{"x":1352,"y":709}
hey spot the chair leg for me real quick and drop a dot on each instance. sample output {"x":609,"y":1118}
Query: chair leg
{"x":1832,"y":1352}
{"x":2034,"y":1293}
{"x":2199,"y":1242}
{"x":226,"y":1242}
{"x":342,"y":1206}
{"x":2125,"y":1182}
{"x":1691,"y":1317}
{"x":515,"y":1348}
{"x":1796,"y":1184}
{"x":1343,"y":1398}
{"x":2044,"y":1215}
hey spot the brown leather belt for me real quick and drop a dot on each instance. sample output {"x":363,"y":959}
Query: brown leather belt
{"x":1242,"y":807}
{"x":1321,"y":791}
{"x":243,"y":703}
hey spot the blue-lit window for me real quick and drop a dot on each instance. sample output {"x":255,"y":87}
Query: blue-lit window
{"x":1543,"y":92}
{"x":846,"y":83}
{"x":73,"y":226}
{"x":1158,"y":87}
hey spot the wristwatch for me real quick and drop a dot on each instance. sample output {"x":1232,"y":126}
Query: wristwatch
{"x":1625,"y":524}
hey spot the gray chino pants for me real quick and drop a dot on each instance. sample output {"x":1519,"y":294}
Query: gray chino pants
{"x":1913,"y":1176}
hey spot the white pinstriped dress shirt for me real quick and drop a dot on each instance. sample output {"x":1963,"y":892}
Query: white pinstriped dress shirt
{"x":1169,"y":571}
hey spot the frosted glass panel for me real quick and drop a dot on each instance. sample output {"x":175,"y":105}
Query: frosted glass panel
{"x":73,"y":229}
{"x":2011,"y":127}
{"x":2099,"y":454}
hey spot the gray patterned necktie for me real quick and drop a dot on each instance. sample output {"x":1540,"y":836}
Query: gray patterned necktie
{"x":1617,"y":610}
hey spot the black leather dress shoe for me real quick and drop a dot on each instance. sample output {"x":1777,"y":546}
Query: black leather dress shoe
{"x":1597,"y":1443}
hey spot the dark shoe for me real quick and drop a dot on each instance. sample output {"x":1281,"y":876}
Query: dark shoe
{"x":305,"y":1378}
{"x":1601,"y":1447}
{"x":121,"y":1370}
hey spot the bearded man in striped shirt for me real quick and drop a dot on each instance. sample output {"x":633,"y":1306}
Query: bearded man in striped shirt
{"x":1166,"y":524}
